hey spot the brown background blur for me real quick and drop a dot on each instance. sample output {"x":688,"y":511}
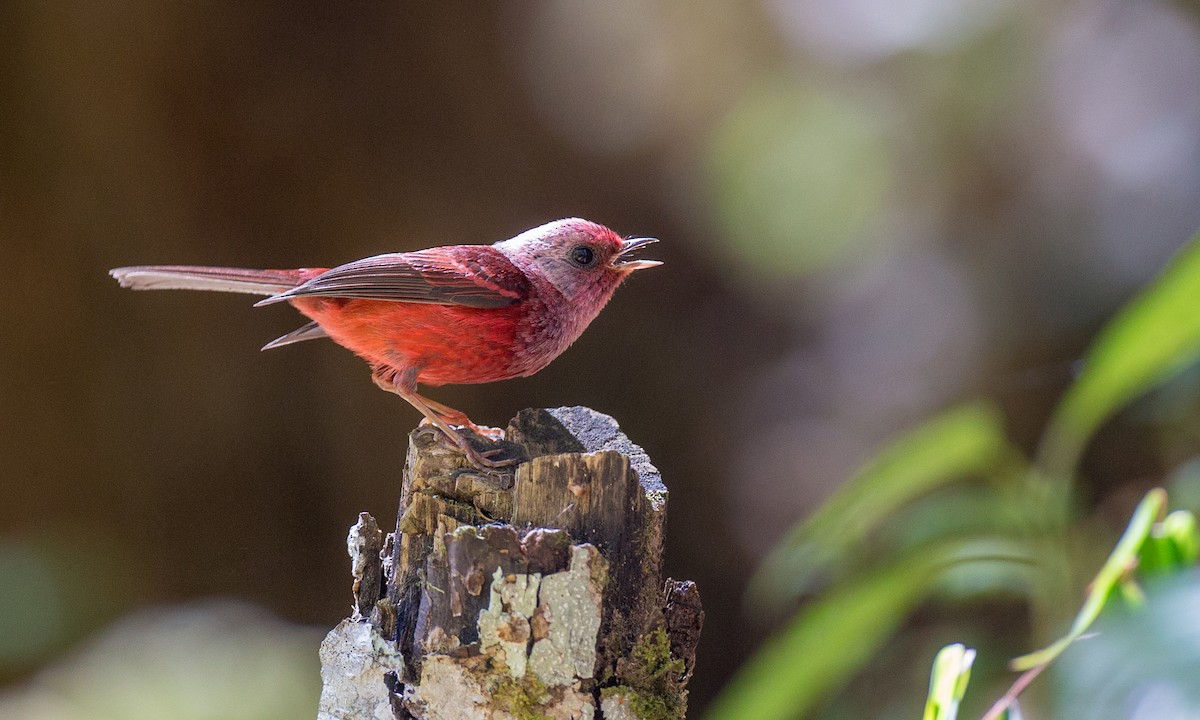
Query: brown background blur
{"x":868,"y":211}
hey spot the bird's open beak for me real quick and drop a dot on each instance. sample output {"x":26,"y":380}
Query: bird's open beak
{"x":623,"y":261}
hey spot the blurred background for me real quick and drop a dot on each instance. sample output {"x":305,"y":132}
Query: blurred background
{"x":870,"y":210}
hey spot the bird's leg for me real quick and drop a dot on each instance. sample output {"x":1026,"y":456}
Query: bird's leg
{"x":404,"y":384}
{"x":458,"y":417}
{"x":479,"y":459}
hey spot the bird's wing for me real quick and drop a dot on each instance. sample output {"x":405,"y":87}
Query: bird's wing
{"x":311,"y":331}
{"x":473,"y":275}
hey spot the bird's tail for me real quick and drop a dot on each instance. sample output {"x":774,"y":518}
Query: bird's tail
{"x":219,"y":279}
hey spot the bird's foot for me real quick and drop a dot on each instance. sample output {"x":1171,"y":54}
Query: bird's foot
{"x":447,"y":420}
{"x":459,"y":418}
{"x":491,"y":433}
{"x":481,"y":459}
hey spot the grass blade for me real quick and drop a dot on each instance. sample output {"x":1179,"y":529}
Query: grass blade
{"x":968,"y":440}
{"x":1153,"y":337}
{"x":948,"y":681}
{"x":1122,"y":560}
{"x":832,"y":638}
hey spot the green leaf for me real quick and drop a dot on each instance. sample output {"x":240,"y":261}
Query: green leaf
{"x":829,"y":640}
{"x":1180,"y":528}
{"x":1171,"y":547}
{"x":968,"y":440}
{"x":948,"y":681}
{"x":1159,"y":555}
{"x":824,"y":644}
{"x":1155,"y":336}
{"x":1122,"y":560}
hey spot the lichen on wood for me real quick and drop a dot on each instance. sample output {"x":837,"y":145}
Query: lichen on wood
{"x":355,"y":660}
{"x":535,"y":592}
{"x":535,"y":651}
{"x":570,"y":606}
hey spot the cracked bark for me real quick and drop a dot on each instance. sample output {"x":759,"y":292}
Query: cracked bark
{"x":535,"y":592}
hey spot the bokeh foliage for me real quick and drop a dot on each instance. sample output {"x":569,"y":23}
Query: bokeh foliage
{"x":870,"y":210}
{"x":863,"y":581}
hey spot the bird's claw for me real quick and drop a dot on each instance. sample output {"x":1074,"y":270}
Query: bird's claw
{"x":481,"y":459}
{"x":484,"y":459}
{"x":490,"y":433}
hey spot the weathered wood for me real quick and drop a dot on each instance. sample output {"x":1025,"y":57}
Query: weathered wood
{"x":532,"y":592}
{"x":365,"y":543}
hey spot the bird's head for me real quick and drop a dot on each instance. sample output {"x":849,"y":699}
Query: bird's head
{"x":583,"y":260}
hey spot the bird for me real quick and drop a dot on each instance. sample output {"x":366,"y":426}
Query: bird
{"x":449,"y":315}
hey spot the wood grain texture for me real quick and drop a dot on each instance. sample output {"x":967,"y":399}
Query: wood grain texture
{"x":536,"y":591}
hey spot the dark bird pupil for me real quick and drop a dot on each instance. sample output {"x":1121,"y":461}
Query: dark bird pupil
{"x":582,"y":255}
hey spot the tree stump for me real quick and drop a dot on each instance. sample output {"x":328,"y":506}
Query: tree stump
{"x":532,"y":592}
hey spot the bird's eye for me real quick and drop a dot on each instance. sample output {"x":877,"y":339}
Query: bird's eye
{"x":583,"y":256}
